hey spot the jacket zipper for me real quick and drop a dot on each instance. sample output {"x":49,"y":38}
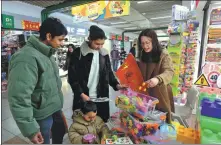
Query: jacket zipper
{"x":56,"y":78}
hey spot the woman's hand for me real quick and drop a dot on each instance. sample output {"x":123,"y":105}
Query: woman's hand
{"x":122,"y":87}
{"x":85,"y":97}
{"x":152,"y":82}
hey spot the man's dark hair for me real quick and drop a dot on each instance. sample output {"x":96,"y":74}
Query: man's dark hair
{"x":134,"y":45}
{"x":71,"y":45}
{"x":89,"y":106}
{"x":96,"y":33}
{"x":53,"y":26}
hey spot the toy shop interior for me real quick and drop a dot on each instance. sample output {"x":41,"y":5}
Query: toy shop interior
{"x":190,"y":31}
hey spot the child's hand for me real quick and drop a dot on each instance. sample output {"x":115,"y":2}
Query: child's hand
{"x":84,"y":141}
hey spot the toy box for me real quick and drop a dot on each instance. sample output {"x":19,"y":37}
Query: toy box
{"x":138,"y":104}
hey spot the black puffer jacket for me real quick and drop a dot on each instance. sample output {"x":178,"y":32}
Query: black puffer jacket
{"x":78,"y":74}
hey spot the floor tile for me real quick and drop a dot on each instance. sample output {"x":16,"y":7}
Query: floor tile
{"x":24,"y":138}
{"x":68,"y":113}
{"x":66,"y":141}
{"x":69,"y":122}
{"x":5,"y":102}
{"x":6,"y":135}
{"x":6,"y":112}
{"x":11,"y":126}
{"x":15,"y":140}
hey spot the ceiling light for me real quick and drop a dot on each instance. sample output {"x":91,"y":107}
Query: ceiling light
{"x":143,"y":13}
{"x":140,"y":2}
{"x":130,"y":28}
{"x":118,"y":23}
{"x":217,"y":3}
{"x":160,"y":17}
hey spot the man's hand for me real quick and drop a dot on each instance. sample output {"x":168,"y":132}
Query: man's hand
{"x":37,"y":138}
{"x":85,"y":97}
{"x":122,"y":87}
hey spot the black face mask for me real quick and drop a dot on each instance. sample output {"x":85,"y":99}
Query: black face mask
{"x":150,"y":57}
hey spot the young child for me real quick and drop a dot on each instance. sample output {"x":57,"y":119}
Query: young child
{"x":86,"y":122}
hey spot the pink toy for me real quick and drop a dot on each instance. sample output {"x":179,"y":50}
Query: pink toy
{"x":90,"y":138}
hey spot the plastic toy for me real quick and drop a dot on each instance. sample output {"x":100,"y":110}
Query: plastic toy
{"x":211,"y":109}
{"x":210,"y":127}
{"x":188,"y":135}
{"x":143,"y":87}
{"x":90,"y":138}
{"x":136,"y":103}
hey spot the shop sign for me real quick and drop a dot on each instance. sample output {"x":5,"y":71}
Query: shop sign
{"x":118,"y":37}
{"x":29,"y":25}
{"x":7,"y":21}
{"x":77,"y":31}
{"x":100,"y":10}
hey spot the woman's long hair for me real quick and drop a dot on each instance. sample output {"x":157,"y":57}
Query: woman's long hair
{"x":157,"y":49}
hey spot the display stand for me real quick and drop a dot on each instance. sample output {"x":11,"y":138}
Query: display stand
{"x":182,"y":48}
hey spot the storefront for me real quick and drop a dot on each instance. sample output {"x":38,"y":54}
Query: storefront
{"x":16,"y":29}
{"x":76,"y":36}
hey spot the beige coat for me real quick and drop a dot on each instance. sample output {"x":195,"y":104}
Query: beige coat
{"x":80,"y":127}
{"x":163,"y":91}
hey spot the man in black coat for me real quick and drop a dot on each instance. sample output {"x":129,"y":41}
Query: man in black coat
{"x":133,"y":50}
{"x":90,"y":73}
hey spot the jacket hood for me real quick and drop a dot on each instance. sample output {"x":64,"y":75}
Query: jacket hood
{"x":85,"y":49}
{"x":78,"y":117}
{"x":38,"y":45}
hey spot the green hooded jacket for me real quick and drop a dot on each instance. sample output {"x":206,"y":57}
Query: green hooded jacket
{"x":34,"y":86}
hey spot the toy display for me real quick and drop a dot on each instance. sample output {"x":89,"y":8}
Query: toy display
{"x":136,"y":103}
{"x":184,"y":54}
{"x":210,"y":118}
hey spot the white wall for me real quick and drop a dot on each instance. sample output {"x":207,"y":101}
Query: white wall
{"x":21,"y":8}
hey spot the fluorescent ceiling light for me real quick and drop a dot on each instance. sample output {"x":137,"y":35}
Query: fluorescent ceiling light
{"x":217,"y":3}
{"x":129,"y":28}
{"x":160,"y":17}
{"x":140,"y":2}
{"x":118,"y":23}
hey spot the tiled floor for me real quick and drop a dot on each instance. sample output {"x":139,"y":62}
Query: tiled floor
{"x":12,"y":135}
{"x":10,"y":132}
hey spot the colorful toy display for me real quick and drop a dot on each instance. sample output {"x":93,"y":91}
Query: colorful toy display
{"x":136,"y":103}
{"x":137,"y":128}
{"x":210,"y":119}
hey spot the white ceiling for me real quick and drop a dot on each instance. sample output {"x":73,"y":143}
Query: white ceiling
{"x":140,"y":17}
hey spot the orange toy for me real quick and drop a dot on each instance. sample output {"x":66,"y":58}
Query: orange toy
{"x":188,"y":135}
{"x":143,"y":87}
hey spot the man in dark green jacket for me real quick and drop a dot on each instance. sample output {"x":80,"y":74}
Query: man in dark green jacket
{"x":34,"y":86}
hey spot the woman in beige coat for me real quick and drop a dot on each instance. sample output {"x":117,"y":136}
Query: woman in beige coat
{"x":157,"y":70}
